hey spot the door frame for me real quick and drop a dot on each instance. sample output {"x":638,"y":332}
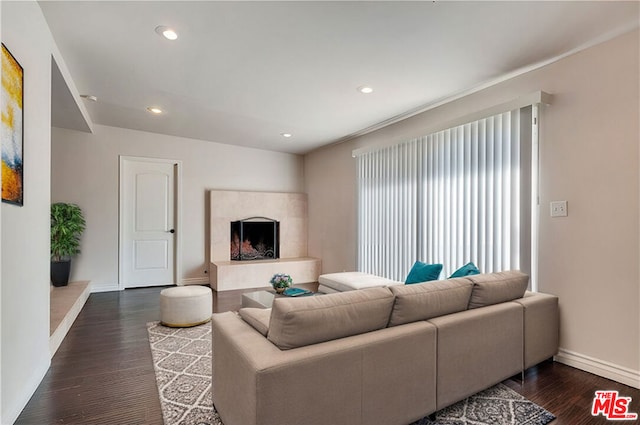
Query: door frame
{"x":177,"y":201}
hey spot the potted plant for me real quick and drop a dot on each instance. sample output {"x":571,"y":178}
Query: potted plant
{"x":67,"y":224}
{"x":280,"y":282}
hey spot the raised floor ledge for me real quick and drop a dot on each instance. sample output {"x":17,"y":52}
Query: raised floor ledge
{"x":65,"y":305}
{"x":230,"y":275}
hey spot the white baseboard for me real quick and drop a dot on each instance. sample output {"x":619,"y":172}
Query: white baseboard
{"x":109,"y":287}
{"x":186,"y":281}
{"x":599,"y":367}
{"x":195,"y":281}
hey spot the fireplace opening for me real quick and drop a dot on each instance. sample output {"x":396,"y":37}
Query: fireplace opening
{"x":255,"y":238}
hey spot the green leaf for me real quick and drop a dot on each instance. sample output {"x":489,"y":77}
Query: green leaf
{"x":67,"y":225}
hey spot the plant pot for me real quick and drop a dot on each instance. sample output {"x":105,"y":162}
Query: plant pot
{"x":280,"y":290}
{"x":60,"y":271}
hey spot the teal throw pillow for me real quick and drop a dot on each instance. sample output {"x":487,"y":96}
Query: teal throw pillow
{"x":422,"y":272}
{"x":466,"y":270}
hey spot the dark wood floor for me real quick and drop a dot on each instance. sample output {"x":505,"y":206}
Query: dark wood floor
{"x":102,"y":372}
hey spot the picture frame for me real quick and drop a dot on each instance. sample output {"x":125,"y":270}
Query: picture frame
{"x":12,"y":134}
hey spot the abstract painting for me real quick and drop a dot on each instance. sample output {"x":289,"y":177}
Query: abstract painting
{"x":12,"y":117}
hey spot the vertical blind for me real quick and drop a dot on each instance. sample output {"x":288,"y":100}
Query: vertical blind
{"x":450,"y":197}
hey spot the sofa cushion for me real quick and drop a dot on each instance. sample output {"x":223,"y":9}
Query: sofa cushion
{"x":258,"y":318}
{"x":423,"y":272}
{"x":466,"y":270}
{"x":349,"y":281}
{"x":324,"y":289}
{"x":494,"y":288}
{"x":296,"y":322}
{"x":427,"y":300}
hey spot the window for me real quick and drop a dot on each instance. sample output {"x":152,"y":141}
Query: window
{"x":462,"y":194}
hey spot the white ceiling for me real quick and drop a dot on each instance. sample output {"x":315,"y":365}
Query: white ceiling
{"x":242,"y":73}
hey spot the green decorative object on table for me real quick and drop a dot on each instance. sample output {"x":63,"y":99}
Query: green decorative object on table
{"x":280,"y":282}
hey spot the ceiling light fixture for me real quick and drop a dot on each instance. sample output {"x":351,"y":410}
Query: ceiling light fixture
{"x":154,"y":110}
{"x":166,"y":32}
{"x":89,"y":97}
{"x":286,"y":134}
{"x":365,"y":89}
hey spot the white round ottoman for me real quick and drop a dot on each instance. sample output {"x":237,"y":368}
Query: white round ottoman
{"x":184,"y":306}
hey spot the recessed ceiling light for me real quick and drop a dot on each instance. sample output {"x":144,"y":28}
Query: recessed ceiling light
{"x":286,"y":134}
{"x":154,"y":110}
{"x":166,"y":32}
{"x":365,"y":89}
{"x":89,"y":97}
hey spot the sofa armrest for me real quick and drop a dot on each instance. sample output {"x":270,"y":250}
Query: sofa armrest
{"x":386,"y":375}
{"x":541,"y":327}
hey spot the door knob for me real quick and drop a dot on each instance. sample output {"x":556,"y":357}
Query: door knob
{"x":172,"y":231}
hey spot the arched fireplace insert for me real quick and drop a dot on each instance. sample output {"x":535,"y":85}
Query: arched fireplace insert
{"x":255,"y":238}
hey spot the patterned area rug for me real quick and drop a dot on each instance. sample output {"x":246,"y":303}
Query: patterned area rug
{"x":498,"y":405}
{"x":182,"y":361}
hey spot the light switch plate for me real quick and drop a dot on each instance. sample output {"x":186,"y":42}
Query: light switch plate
{"x":559,"y":209}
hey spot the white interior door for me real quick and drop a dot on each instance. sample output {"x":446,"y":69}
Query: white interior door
{"x":148,"y":222}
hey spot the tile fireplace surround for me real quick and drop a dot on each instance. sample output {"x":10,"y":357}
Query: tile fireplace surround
{"x":290,"y":209}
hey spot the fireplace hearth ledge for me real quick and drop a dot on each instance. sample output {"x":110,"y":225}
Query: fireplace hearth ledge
{"x":230,"y":275}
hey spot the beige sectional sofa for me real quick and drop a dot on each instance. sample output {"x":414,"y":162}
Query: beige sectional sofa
{"x":381,"y":355}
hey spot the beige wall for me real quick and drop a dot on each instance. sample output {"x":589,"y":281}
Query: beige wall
{"x":25,"y":230}
{"x":589,"y":156}
{"x":85,"y":171}
{"x":290,"y":209}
